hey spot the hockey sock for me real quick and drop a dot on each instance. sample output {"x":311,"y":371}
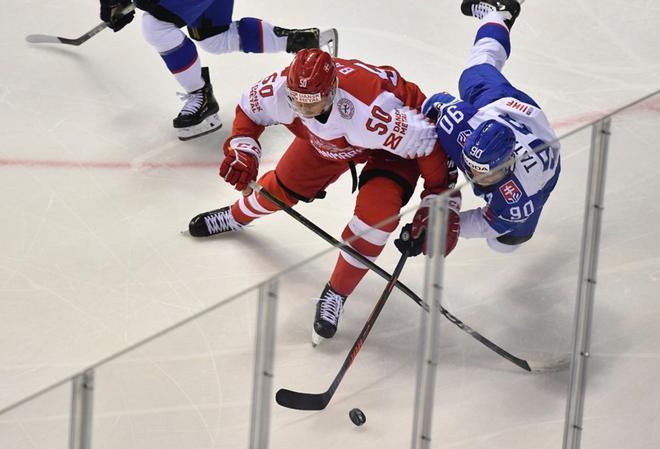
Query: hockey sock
{"x":183,"y":61}
{"x":349,"y":271}
{"x":257,"y":36}
{"x":491,"y":44}
{"x":255,"y":205}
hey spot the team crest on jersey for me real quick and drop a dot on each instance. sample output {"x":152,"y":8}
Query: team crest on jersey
{"x":346,"y":108}
{"x":462,"y":137}
{"x":511,"y":192}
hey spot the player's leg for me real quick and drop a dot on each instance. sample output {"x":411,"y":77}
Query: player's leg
{"x":386,"y":184}
{"x":482,"y":82}
{"x":217,"y":33}
{"x":251,"y":35}
{"x":300,"y":175}
{"x":161,"y":28}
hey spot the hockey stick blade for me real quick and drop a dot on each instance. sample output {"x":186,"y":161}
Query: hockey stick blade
{"x":557,"y":363}
{"x":330,"y":38}
{"x":47,"y":39}
{"x":302,"y":401}
{"x":42,"y":39}
{"x":311,"y":401}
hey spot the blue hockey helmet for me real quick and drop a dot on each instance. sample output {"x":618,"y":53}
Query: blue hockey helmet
{"x":488,"y":152}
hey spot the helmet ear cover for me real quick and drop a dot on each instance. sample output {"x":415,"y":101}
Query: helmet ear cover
{"x":488,"y":153}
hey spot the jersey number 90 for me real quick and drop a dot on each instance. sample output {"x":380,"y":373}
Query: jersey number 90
{"x":450,"y":116}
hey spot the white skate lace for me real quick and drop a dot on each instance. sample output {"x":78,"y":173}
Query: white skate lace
{"x":481,"y":10}
{"x":221,"y":222}
{"x":331,"y":306}
{"x":194,"y":101}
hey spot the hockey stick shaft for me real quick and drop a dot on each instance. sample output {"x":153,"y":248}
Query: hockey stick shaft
{"x":48,"y":39}
{"x":385,"y":275}
{"x":307,"y":401}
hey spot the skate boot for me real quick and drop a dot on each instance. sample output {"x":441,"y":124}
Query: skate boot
{"x":213,"y":222}
{"x":199,"y":114}
{"x":479,"y":8}
{"x":299,"y":39}
{"x":328,"y":309}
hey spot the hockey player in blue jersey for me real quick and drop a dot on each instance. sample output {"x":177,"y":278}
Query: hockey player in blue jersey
{"x":210,"y":23}
{"x":497,"y":136}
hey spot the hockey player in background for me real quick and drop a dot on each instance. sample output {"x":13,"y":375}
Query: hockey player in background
{"x":497,"y":136}
{"x":341,"y":112}
{"x":210,"y":23}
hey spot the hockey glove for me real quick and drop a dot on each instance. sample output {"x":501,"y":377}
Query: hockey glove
{"x":433,"y":107}
{"x":111,"y":14}
{"x":407,"y":134}
{"x":417,"y":229}
{"x":452,"y":173}
{"x":241,"y":162}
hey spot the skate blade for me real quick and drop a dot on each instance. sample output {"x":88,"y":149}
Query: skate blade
{"x":330,"y":40}
{"x":208,"y":125}
{"x":316,"y":338}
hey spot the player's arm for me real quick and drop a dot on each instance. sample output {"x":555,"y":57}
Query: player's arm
{"x":262,"y":105}
{"x":439,"y":174}
{"x":499,"y":217}
{"x":390,"y":120}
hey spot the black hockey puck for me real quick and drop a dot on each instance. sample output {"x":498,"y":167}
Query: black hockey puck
{"x":357,"y":416}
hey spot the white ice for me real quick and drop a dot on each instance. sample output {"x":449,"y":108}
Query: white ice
{"x":95,"y":189}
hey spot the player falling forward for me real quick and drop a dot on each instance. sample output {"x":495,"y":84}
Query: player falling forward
{"x":342,"y":112}
{"x":210,"y":23}
{"x":497,"y":135}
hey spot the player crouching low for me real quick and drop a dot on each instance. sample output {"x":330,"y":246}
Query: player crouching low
{"x":342,"y":113}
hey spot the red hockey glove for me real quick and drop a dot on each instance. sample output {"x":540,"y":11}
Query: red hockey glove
{"x":417,"y":229}
{"x":241,"y":162}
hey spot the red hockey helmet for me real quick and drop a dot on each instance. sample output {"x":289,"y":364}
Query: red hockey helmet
{"x":311,"y":82}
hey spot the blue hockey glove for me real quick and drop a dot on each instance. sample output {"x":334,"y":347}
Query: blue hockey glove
{"x":433,"y":106}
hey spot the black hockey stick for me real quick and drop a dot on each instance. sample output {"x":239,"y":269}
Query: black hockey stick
{"x":48,"y":39}
{"x":319,"y":401}
{"x":524,"y":364}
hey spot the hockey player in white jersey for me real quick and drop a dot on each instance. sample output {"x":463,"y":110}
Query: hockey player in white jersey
{"x":210,"y":24}
{"x":342,"y":113}
{"x":497,"y":136}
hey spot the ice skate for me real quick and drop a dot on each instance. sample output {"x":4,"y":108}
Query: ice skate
{"x":480,"y":8}
{"x":299,"y":39}
{"x":213,"y":222}
{"x":328,"y":309}
{"x":199,"y":114}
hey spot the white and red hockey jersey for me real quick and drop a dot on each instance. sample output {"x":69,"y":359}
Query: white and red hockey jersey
{"x":374,"y":108}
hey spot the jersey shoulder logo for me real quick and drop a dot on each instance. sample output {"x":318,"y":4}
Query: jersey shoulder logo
{"x":462,"y":137}
{"x":346,"y":108}
{"x":511,"y":192}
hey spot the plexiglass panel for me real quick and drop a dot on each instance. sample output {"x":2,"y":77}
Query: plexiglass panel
{"x":381,"y":381}
{"x":524,"y":302}
{"x":42,"y":422}
{"x":189,"y":388}
{"x":622,"y":394}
